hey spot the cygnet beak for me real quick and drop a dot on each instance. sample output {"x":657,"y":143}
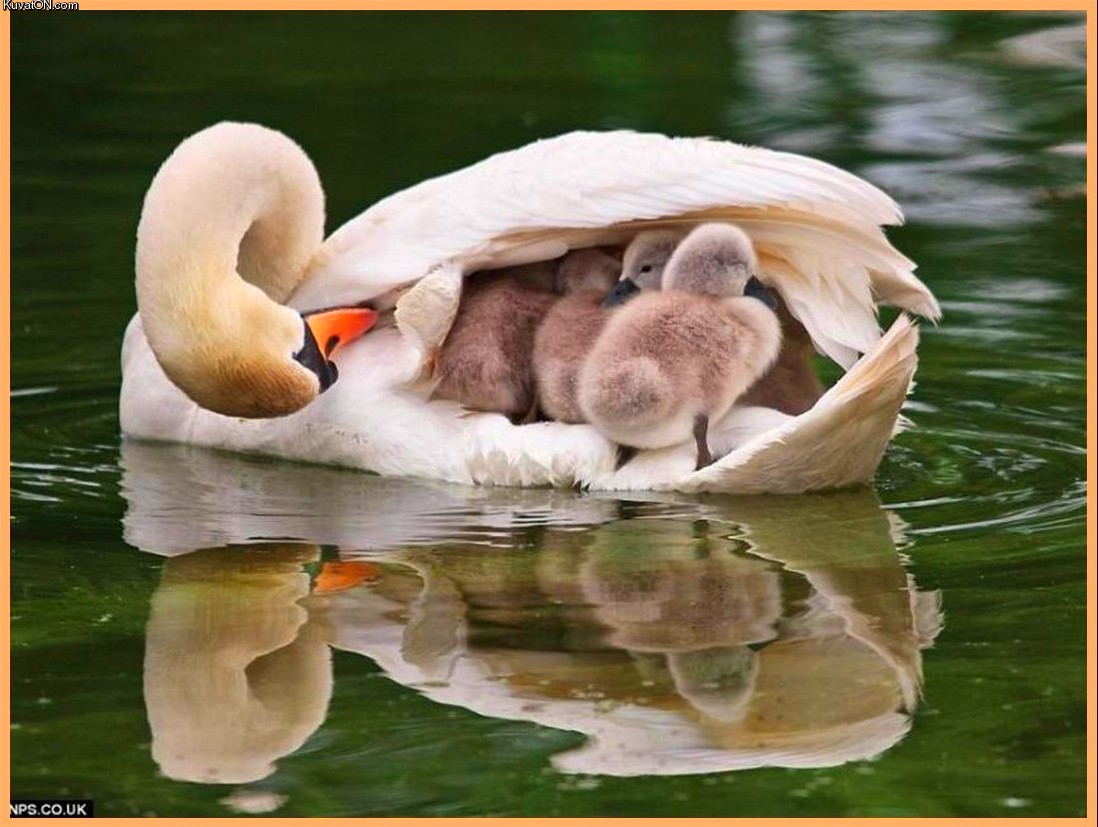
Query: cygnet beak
{"x":622,"y":292}
{"x":326,"y":331}
{"x":757,"y":290}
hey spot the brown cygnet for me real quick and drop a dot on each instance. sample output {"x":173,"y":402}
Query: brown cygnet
{"x":791,"y":385}
{"x":569,"y":329}
{"x":486,"y":362}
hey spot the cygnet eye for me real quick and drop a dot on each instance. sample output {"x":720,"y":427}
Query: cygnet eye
{"x":646,"y":268}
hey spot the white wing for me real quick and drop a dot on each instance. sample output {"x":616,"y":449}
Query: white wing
{"x":816,"y":227}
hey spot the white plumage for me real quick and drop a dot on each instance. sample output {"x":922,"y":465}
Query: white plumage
{"x":818,"y":233}
{"x":817,"y":227}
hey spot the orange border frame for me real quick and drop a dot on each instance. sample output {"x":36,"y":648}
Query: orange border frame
{"x":604,"y":5}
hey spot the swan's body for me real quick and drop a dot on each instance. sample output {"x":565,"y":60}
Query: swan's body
{"x":670,"y":362}
{"x":816,"y":230}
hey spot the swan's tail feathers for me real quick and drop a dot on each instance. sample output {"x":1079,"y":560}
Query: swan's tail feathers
{"x":877,"y":375}
{"x":839,"y":442}
{"x":833,"y":277}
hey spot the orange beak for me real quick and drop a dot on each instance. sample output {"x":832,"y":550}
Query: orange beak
{"x":337,"y":576}
{"x":334,"y":328}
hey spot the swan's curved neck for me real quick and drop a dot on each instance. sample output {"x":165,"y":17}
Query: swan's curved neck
{"x":227,"y":230}
{"x":238,"y":199}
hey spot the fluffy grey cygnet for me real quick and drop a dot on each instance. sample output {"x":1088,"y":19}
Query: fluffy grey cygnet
{"x":568,"y":332}
{"x":643,"y":263}
{"x":669,"y":362}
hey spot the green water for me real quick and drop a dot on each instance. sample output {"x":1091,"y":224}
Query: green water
{"x":177,"y":647}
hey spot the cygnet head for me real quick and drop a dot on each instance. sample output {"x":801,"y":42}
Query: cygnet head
{"x":647,"y":255}
{"x":587,"y":269}
{"x":643,"y":264}
{"x":714,"y":260}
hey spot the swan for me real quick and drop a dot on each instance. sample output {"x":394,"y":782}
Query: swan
{"x":670,"y":362}
{"x":227,"y":231}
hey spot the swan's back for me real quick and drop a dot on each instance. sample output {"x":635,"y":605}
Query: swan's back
{"x":817,"y":228}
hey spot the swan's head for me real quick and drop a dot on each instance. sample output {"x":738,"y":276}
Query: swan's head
{"x":587,"y":269}
{"x":716,"y":260}
{"x":643,"y":264}
{"x":249,"y":357}
{"x":228,"y":228}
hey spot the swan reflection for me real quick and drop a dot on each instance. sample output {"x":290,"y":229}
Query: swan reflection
{"x":237,"y":672}
{"x":679,"y":635}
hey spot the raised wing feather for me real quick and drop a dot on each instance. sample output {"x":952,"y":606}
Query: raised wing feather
{"x":817,"y":228}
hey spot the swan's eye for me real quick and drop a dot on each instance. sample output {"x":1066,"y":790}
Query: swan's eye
{"x":646,"y":268}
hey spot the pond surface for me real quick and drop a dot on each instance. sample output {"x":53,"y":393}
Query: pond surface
{"x":199,"y":634}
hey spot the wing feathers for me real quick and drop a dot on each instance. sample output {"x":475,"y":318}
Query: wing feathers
{"x":821,"y":223}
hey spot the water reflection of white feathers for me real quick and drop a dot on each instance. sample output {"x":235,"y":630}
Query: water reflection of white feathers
{"x":697,"y":636}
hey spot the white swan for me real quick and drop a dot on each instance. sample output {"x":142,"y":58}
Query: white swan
{"x":241,"y":200}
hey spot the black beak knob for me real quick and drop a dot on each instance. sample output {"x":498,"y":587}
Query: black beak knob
{"x":312,"y":358}
{"x":757,"y":290}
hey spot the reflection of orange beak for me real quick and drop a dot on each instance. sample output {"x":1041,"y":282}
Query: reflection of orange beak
{"x":336,"y":327}
{"x":337,"y":577}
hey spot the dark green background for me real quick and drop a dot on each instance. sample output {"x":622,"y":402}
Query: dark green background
{"x":948,"y":113}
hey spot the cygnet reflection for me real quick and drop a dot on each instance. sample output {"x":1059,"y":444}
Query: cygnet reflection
{"x":677,"y":646}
